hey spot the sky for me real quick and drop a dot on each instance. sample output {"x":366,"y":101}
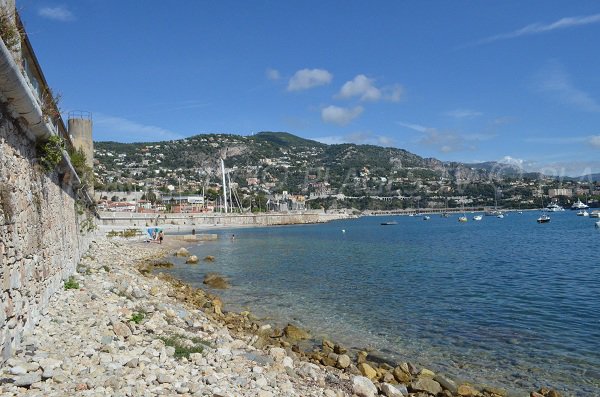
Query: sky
{"x":510,"y":81}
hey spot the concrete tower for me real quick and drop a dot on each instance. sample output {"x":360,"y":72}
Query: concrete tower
{"x":80,"y":129}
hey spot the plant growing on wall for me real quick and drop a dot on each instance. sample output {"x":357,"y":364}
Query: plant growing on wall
{"x":50,"y":108}
{"x":9,"y":32}
{"x":50,"y":153}
{"x":79,"y":162}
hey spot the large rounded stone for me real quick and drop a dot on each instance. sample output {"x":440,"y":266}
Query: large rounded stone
{"x":343,"y":361}
{"x":363,"y":387}
{"x":426,"y":384}
{"x":192,"y":259}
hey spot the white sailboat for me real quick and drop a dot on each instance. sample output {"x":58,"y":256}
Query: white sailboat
{"x":463,"y":218}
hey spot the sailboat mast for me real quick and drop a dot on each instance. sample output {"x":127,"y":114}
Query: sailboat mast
{"x":230,"y":200}
{"x":224,"y":186}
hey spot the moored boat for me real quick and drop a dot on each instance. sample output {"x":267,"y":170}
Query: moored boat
{"x":595,"y":214}
{"x":478,"y":217}
{"x":426,"y":218}
{"x":553,"y":207}
{"x":543,"y":219}
{"x":579,"y":205}
{"x":583,"y":213}
{"x":389,"y":223}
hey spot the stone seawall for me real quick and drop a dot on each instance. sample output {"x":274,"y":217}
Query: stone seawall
{"x":137,"y":219}
{"x":42,"y":236}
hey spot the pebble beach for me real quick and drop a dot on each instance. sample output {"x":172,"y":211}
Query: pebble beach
{"x":124,"y":329}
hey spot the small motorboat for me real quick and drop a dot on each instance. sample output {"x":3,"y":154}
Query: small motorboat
{"x":543,"y":219}
{"x":426,"y":218}
{"x":595,"y":214}
{"x":462,"y":219}
{"x":598,"y":224}
{"x":389,"y":223}
{"x":583,"y":213}
{"x":500,"y":216}
{"x":478,"y":217}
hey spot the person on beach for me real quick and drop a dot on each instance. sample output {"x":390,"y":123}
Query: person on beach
{"x":160,"y":237}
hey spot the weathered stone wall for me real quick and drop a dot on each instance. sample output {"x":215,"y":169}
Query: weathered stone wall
{"x":40,"y":236}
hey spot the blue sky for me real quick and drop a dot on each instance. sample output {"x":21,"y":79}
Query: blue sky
{"x":466,"y":81}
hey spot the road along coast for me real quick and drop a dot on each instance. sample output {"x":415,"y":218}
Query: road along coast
{"x":121,"y":329}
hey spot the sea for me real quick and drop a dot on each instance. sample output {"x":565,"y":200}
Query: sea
{"x":505,"y":302}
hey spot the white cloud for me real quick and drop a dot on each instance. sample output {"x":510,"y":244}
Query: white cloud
{"x":309,"y":78}
{"x":538,"y":28}
{"x":339,"y":115}
{"x":331,"y":139}
{"x":553,"y":80}
{"x":123,"y":130}
{"x":595,"y":141}
{"x":445,"y":141}
{"x":393,"y":93}
{"x":463,"y":113}
{"x":364,"y":88}
{"x":512,"y":161}
{"x":415,"y":127}
{"x":273,"y":74}
{"x":360,"y":86}
{"x":358,"y":138}
{"x":60,"y":13}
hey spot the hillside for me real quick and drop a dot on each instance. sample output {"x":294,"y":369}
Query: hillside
{"x":276,"y":162}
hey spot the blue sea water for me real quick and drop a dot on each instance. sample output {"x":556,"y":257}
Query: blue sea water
{"x":503,"y":302}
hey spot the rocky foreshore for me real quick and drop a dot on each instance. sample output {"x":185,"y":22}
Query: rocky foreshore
{"x":119,"y":329}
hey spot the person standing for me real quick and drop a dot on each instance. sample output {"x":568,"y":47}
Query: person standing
{"x":160,"y":237}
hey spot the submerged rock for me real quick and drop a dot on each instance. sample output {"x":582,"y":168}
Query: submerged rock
{"x":209,"y":258}
{"x":293,"y":332}
{"x":215,"y":281}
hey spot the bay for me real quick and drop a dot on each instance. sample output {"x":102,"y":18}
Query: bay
{"x":502,"y":302}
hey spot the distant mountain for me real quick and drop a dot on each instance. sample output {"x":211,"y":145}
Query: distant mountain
{"x":589,"y":177}
{"x":285,"y":139}
{"x":273,"y":162}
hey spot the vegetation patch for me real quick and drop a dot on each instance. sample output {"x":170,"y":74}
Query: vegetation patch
{"x":71,"y":283}
{"x":50,"y":153}
{"x":138,"y":317}
{"x":124,"y":233}
{"x":9,"y":32}
{"x":185,"y":346}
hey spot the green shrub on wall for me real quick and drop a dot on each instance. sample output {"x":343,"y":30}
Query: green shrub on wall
{"x":50,"y":153}
{"x":79,"y":162}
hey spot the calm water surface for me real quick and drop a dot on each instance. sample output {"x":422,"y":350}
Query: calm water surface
{"x":505,"y":302}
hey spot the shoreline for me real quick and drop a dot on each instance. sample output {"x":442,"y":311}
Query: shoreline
{"x":89,"y":343}
{"x":316,"y":351}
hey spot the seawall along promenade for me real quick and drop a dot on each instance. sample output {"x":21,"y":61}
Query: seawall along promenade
{"x":132,"y":219}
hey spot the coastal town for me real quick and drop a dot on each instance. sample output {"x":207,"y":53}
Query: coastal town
{"x":154,"y":178}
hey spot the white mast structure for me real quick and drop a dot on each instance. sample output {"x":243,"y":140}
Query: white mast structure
{"x":224,"y":185}
{"x":230,"y":199}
